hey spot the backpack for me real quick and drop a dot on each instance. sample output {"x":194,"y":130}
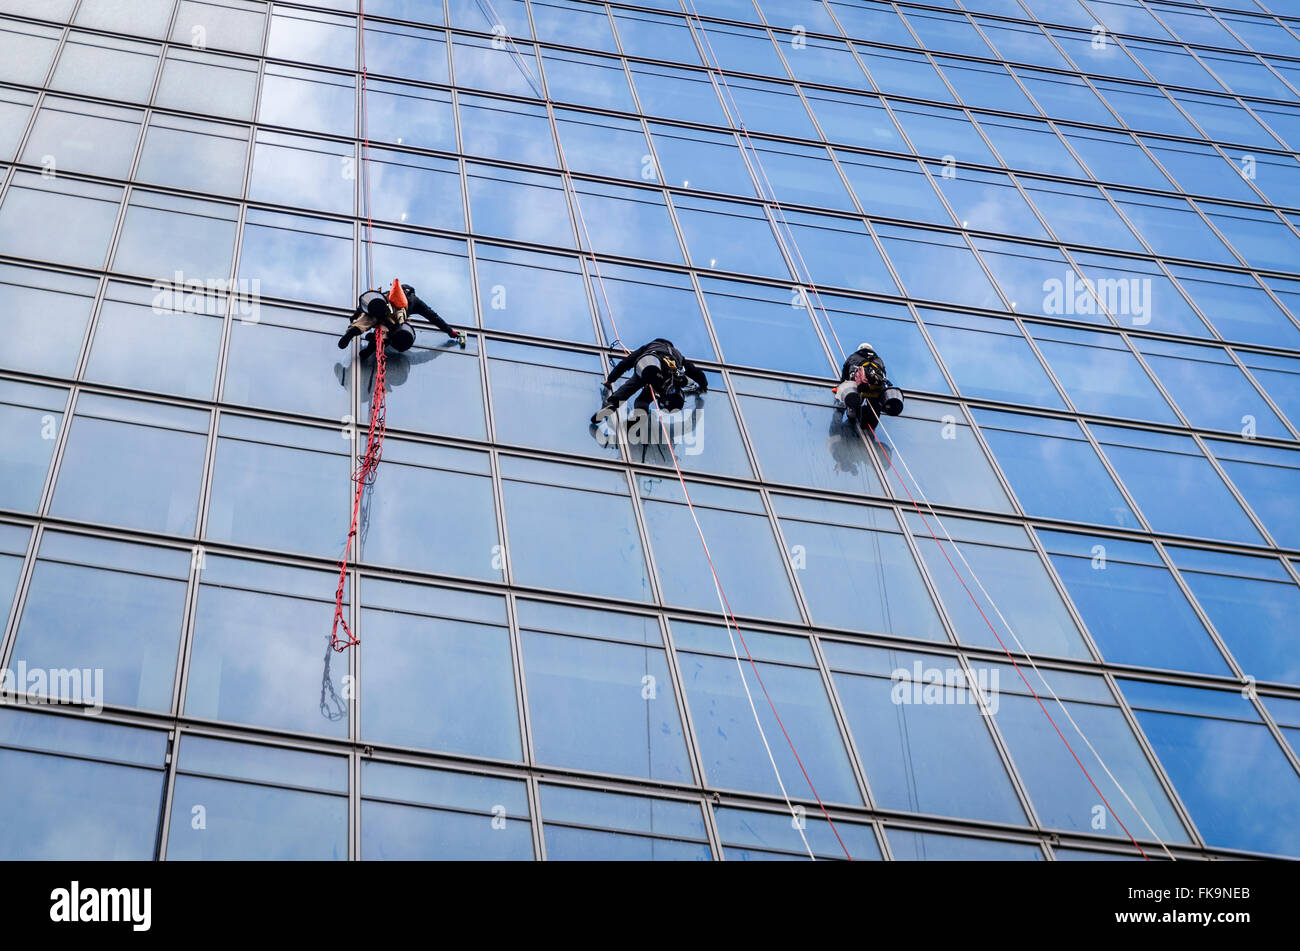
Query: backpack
{"x":870,"y":374}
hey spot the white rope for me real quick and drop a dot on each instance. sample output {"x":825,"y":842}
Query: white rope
{"x":797,"y":820}
{"x":814,"y":301}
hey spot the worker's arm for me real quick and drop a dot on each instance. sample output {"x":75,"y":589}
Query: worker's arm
{"x":696,"y":374}
{"x":623,"y":366}
{"x":418,"y":307}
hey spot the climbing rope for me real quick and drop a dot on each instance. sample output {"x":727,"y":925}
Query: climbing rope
{"x":363,"y":476}
{"x":364,"y":473}
{"x":728,"y":617}
{"x":804,"y":273}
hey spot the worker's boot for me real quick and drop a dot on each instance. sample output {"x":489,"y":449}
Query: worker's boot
{"x":852,"y":404}
{"x":347,"y":337}
{"x":606,"y":408}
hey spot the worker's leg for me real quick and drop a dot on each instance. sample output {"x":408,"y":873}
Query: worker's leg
{"x":356,"y":328}
{"x":868,"y":413}
{"x":853,"y":403}
{"x":618,"y":397}
{"x":643,"y":401}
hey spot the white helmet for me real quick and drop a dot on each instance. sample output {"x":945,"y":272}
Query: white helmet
{"x":866,"y":346}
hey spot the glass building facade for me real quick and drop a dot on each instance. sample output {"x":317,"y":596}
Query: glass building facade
{"x":1070,"y":227}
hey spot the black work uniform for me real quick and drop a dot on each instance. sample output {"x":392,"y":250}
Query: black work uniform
{"x":659,"y":366}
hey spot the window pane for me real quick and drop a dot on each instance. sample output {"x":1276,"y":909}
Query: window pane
{"x":410,"y":813}
{"x":946,"y":463}
{"x":729,"y":236}
{"x":1175,"y":486}
{"x":100,"y":803}
{"x":83,"y":137}
{"x":932,"y":755}
{"x":1209,"y":388}
{"x":764,"y":326}
{"x":106,"y":67}
{"x":281,"y":361}
{"x":406,"y":52}
{"x":165,"y":341}
{"x":279,"y":678}
{"x":743,"y":549}
{"x":194,"y":154}
{"x":597,"y":81}
{"x":910,"y":846}
{"x":751,"y":836}
{"x":457,"y":536}
{"x":411,"y":115}
{"x":1225,"y":739}
{"x":602,"y":705}
{"x":630,"y":222}
{"x":1053,"y":469}
{"x":730,"y":744}
{"x":239,"y":27}
{"x":1269,"y":479}
{"x":28,"y":50}
{"x":585,"y":824}
{"x":648,"y":304}
{"x":108,"y":607}
{"x":1100,"y":374}
{"x":1022,"y":605}
{"x":545,"y":397}
{"x":431,"y":654}
{"x":1120,"y":587}
{"x":541,"y":295}
{"x":30,"y":417}
{"x":207,"y":84}
{"x":990,"y":359}
{"x":249,"y":818}
{"x":1249,"y":601}
{"x":543,"y":501}
{"x":852,"y":548}
{"x":132,"y":464}
{"x":800,"y":438}
{"x":1062,"y":796}
{"x":297,"y":258}
{"x":522,"y":206}
{"x":45,"y":319}
{"x":918,"y":255}
{"x":280,"y":486}
{"x":509,"y":131}
{"x":308,"y":99}
{"x":35,"y":212}
{"x":310,"y":173}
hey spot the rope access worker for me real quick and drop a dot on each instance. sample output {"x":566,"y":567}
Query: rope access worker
{"x":392,"y":311}
{"x":864,"y":390}
{"x":657,"y":366}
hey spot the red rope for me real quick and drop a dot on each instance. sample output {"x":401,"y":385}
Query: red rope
{"x":363,"y":476}
{"x":1011,"y":658}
